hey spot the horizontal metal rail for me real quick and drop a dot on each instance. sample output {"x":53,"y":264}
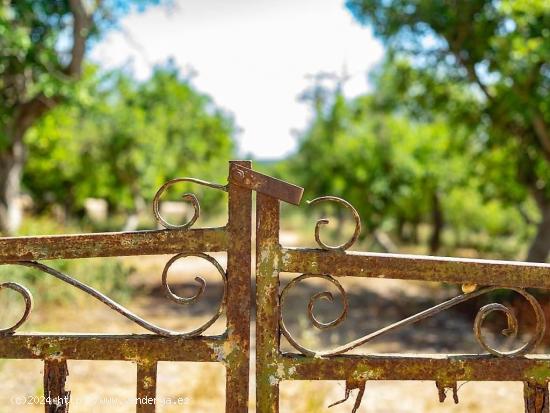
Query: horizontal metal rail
{"x":113,"y":244}
{"x":232,"y":348}
{"x":416,"y":267}
{"x":440,"y":367}
{"x":131,"y":347}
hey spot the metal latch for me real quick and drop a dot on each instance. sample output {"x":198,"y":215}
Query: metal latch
{"x":265,"y":184}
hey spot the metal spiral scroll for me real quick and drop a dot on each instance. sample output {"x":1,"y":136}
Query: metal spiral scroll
{"x":480,"y":318}
{"x":325,"y":221}
{"x":27,"y":296}
{"x":186,"y":197}
{"x":118,"y":307}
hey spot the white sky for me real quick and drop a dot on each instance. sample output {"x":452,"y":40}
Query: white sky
{"x":251,"y":56}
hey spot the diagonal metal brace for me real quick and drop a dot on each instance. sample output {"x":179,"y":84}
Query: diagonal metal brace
{"x":353,"y":384}
{"x":265,"y":184}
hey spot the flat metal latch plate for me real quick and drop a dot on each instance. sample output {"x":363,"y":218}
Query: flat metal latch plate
{"x":265,"y":184}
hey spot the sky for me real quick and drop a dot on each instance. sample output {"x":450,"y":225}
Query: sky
{"x":253,"y":57}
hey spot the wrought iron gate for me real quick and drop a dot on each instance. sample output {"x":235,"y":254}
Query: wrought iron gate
{"x":232,"y":348}
{"x":331,"y":263}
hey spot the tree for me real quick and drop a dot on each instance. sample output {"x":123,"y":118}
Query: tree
{"x":127,"y":141}
{"x":38,"y":72}
{"x":485,"y":65}
{"x":393,"y":169}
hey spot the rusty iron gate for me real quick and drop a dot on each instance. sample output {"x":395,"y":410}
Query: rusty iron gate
{"x":232,"y":348}
{"x":330,"y":263}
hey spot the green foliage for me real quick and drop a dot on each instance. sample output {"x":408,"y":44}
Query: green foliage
{"x":390,"y":167}
{"x":43,"y":44}
{"x":127,"y":142}
{"x":384,"y":164}
{"x":483,"y":66}
{"x":36,"y":57}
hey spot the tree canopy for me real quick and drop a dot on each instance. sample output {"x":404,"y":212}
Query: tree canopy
{"x":42,"y":49}
{"x":127,"y":141}
{"x":484,"y":66}
{"x":406,"y":172}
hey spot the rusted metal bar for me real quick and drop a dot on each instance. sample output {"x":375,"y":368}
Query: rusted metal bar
{"x":325,"y":221}
{"x":238,"y":293}
{"x":146,"y":391}
{"x":417,"y":267}
{"x":536,"y":397}
{"x":56,"y":398}
{"x":353,"y":384}
{"x":130,"y":347}
{"x":266,"y":185}
{"x":267,"y":304}
{"x":444,"y":368}
{"x":112,"y":244}
{"x":442,"y":388}
{"x":233,"y":347}
{"x":190,"y":197}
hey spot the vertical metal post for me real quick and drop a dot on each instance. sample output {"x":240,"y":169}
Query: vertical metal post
{"x":267,"y":303}
{"x":56,"y":397}
{"x":146,"y":387}
{"x":536,"y":397}
{"x":239,"y":273}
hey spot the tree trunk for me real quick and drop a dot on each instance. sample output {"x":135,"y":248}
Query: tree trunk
{"x":385,"y":241}
{"x":12,"y":160}
{"x":540,"y":247}
{"x":340,"y":214}
{"x":437,"y":223}
{"x":25,"y":113}
{"x":414,"y":231}
{"x":400,"y":229}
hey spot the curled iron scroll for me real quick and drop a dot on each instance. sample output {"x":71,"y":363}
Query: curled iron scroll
{"x":186,"y":197}
{"x":511,"y":330}
{"x":27,"y":296}
{"x":325,"y":221}
{"x":118,"y":307}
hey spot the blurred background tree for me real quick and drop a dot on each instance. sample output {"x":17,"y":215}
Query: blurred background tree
{"x":483,"y":65}
{"x":42,"y":49}
{"x":400,"y":171}
{"x":126,"y":142}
